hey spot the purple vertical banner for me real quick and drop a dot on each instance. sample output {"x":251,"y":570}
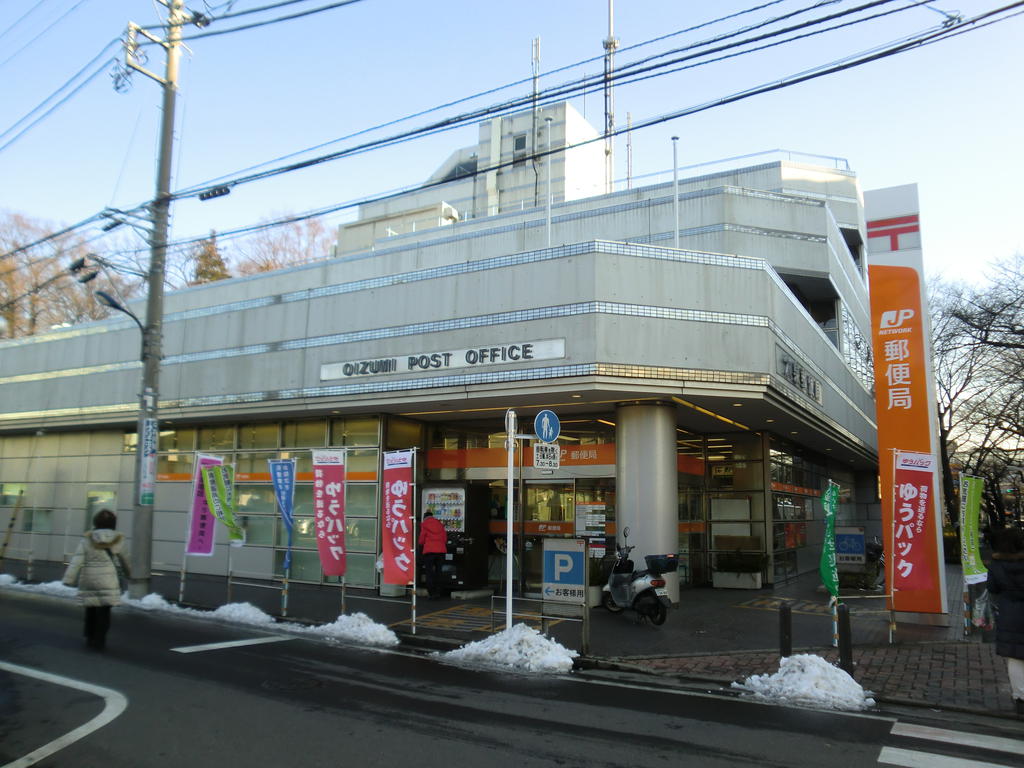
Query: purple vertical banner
{"x":201,"y":522}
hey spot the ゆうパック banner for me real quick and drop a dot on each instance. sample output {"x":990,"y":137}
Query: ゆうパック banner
{"x":398,"y":537}
{"x":329,"y":508}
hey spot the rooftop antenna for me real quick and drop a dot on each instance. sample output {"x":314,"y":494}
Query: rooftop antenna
{"x":629,"y":150}
{"x":536,"y":117}
{"x":610,"y":44}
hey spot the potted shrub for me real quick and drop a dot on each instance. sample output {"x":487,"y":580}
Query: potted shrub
{"x":739,"y":570}
{"x":597,"y":576}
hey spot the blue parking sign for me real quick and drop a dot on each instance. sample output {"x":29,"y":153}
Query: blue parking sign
{"x":564,"y":570}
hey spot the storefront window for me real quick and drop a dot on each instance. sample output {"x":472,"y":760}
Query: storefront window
{"x":360,"y":571}
{"x":355,"y":430}
{"x":303,"y":460}
{"x":403,"y":433}
{"x":36,"y":521}
{"x":304,"y":434}
{"x":305,"y":565}
{"x":259,"y":529}
{"x":216,"y":438}
{"x":253,"y":463}
{"x":361,"y":500}
{"x":361,"y":464}
{"x":177,"y":439}
{"x":255,"y":499}
{"x":258,"y":436}
{"x":171,"y":464}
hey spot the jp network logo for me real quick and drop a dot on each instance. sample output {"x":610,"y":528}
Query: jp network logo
{"x":895,"y":318}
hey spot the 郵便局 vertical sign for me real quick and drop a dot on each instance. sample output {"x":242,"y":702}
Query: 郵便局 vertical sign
{"x":905,"y":416}
{"x":398,"y":536}
{"x":201,"y":524}
{"x":329,"y":510}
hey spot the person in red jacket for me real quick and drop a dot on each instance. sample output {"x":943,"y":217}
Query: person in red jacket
{"x":433,"y":543}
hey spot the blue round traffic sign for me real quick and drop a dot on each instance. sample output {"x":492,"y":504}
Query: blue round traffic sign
{"x":547,"y":426}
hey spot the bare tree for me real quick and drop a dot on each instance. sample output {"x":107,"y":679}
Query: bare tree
{"x":284,"y":246}
{"x":979,"y":363}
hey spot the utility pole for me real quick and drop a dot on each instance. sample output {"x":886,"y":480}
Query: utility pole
{"x":610,"y":44}
{"x":148,"y":434}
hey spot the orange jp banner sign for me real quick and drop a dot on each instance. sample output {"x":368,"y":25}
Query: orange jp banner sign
{"x":903,"y":403}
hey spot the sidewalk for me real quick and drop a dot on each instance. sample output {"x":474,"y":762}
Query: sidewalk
{"x":724,"y":636}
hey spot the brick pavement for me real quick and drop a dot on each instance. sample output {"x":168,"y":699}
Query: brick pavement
{"x":965,"y":676}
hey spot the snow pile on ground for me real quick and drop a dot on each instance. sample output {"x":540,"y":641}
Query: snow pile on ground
{"x":520,"y":648}
{"x":242,"y":613}
{"x":154,"y":602}
{"x":358,"y":628}
{"x":810,"y":681}
{"x":49,"y":588}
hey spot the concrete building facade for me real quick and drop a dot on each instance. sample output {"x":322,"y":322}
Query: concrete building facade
{"x":707,"y":393}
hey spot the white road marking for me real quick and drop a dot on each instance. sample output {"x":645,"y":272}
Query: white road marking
{"x":910,"y":759}
{"x":230,"y":644}
{"x":114,"y":704}
{"x":997,"y":743}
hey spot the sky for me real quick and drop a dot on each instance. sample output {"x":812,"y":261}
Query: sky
{"x":946,"y":116}
{"x":802,"y":680}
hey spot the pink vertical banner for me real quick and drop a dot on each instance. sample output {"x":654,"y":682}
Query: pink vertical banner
{"x":329,"y":506}
{"x":397,"y":535}
{"x":201,"y":522}
{"x":914,"y":559}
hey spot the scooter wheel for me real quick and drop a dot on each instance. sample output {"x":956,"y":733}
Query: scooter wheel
{"x":609,"y":603}
{"x":659,"y":614}
{"x":652,"y":608}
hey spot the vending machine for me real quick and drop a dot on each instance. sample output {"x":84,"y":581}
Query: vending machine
{"x":463,"y":510}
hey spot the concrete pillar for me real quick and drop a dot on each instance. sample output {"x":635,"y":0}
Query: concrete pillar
{"x":646,"y":495}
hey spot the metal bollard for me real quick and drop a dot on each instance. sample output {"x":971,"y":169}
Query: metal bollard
{"x":845,"y":640}
{"x":785,"y":630}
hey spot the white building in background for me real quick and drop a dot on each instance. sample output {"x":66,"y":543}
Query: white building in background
{"x":458,"y":191}
{"x":706,"y":393}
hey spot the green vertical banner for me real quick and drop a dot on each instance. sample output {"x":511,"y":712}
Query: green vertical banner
{"x":827,"y":568}
{"x":970,"y":510}
{"x":219,"y":483}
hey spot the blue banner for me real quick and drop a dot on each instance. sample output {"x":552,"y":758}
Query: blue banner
{"x":282,"y":473}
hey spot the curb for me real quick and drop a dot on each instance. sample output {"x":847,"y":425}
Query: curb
{"x":880,"y":698}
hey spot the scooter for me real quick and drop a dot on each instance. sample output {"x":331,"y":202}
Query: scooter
{"x":642,"y":591}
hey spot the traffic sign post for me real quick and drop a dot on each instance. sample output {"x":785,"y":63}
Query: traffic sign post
{"x":565,"y":571}
{"x":547,"y":456}
{"x":546,"y":426}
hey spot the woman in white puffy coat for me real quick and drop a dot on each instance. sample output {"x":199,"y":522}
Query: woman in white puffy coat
{"x":94,"y":570}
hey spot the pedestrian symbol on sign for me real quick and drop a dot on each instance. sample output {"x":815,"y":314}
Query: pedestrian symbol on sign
{"x":547,"y":426}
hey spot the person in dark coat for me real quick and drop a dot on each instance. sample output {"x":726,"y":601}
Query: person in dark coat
{"x":94,"y":570}
{"x":433,"y":541}
{"x":1006,"y":585}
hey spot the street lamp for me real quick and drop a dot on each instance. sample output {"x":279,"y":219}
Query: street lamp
{"x":109,"y":301}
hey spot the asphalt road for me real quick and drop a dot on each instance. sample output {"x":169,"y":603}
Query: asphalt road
{"x":297,"y":702}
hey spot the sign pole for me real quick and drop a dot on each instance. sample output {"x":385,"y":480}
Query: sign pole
{"x":510,"y":447}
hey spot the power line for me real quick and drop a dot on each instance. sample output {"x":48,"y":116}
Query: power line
{"x":24,"y":16}
{"x":552,"y":93}
{"x":67,"y":83}
{"x":912,"y":41}
{"x":488,"y":92}
{"x":46,"y":29}
{"x":267,"y":22}
{"x":99,"y":70}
